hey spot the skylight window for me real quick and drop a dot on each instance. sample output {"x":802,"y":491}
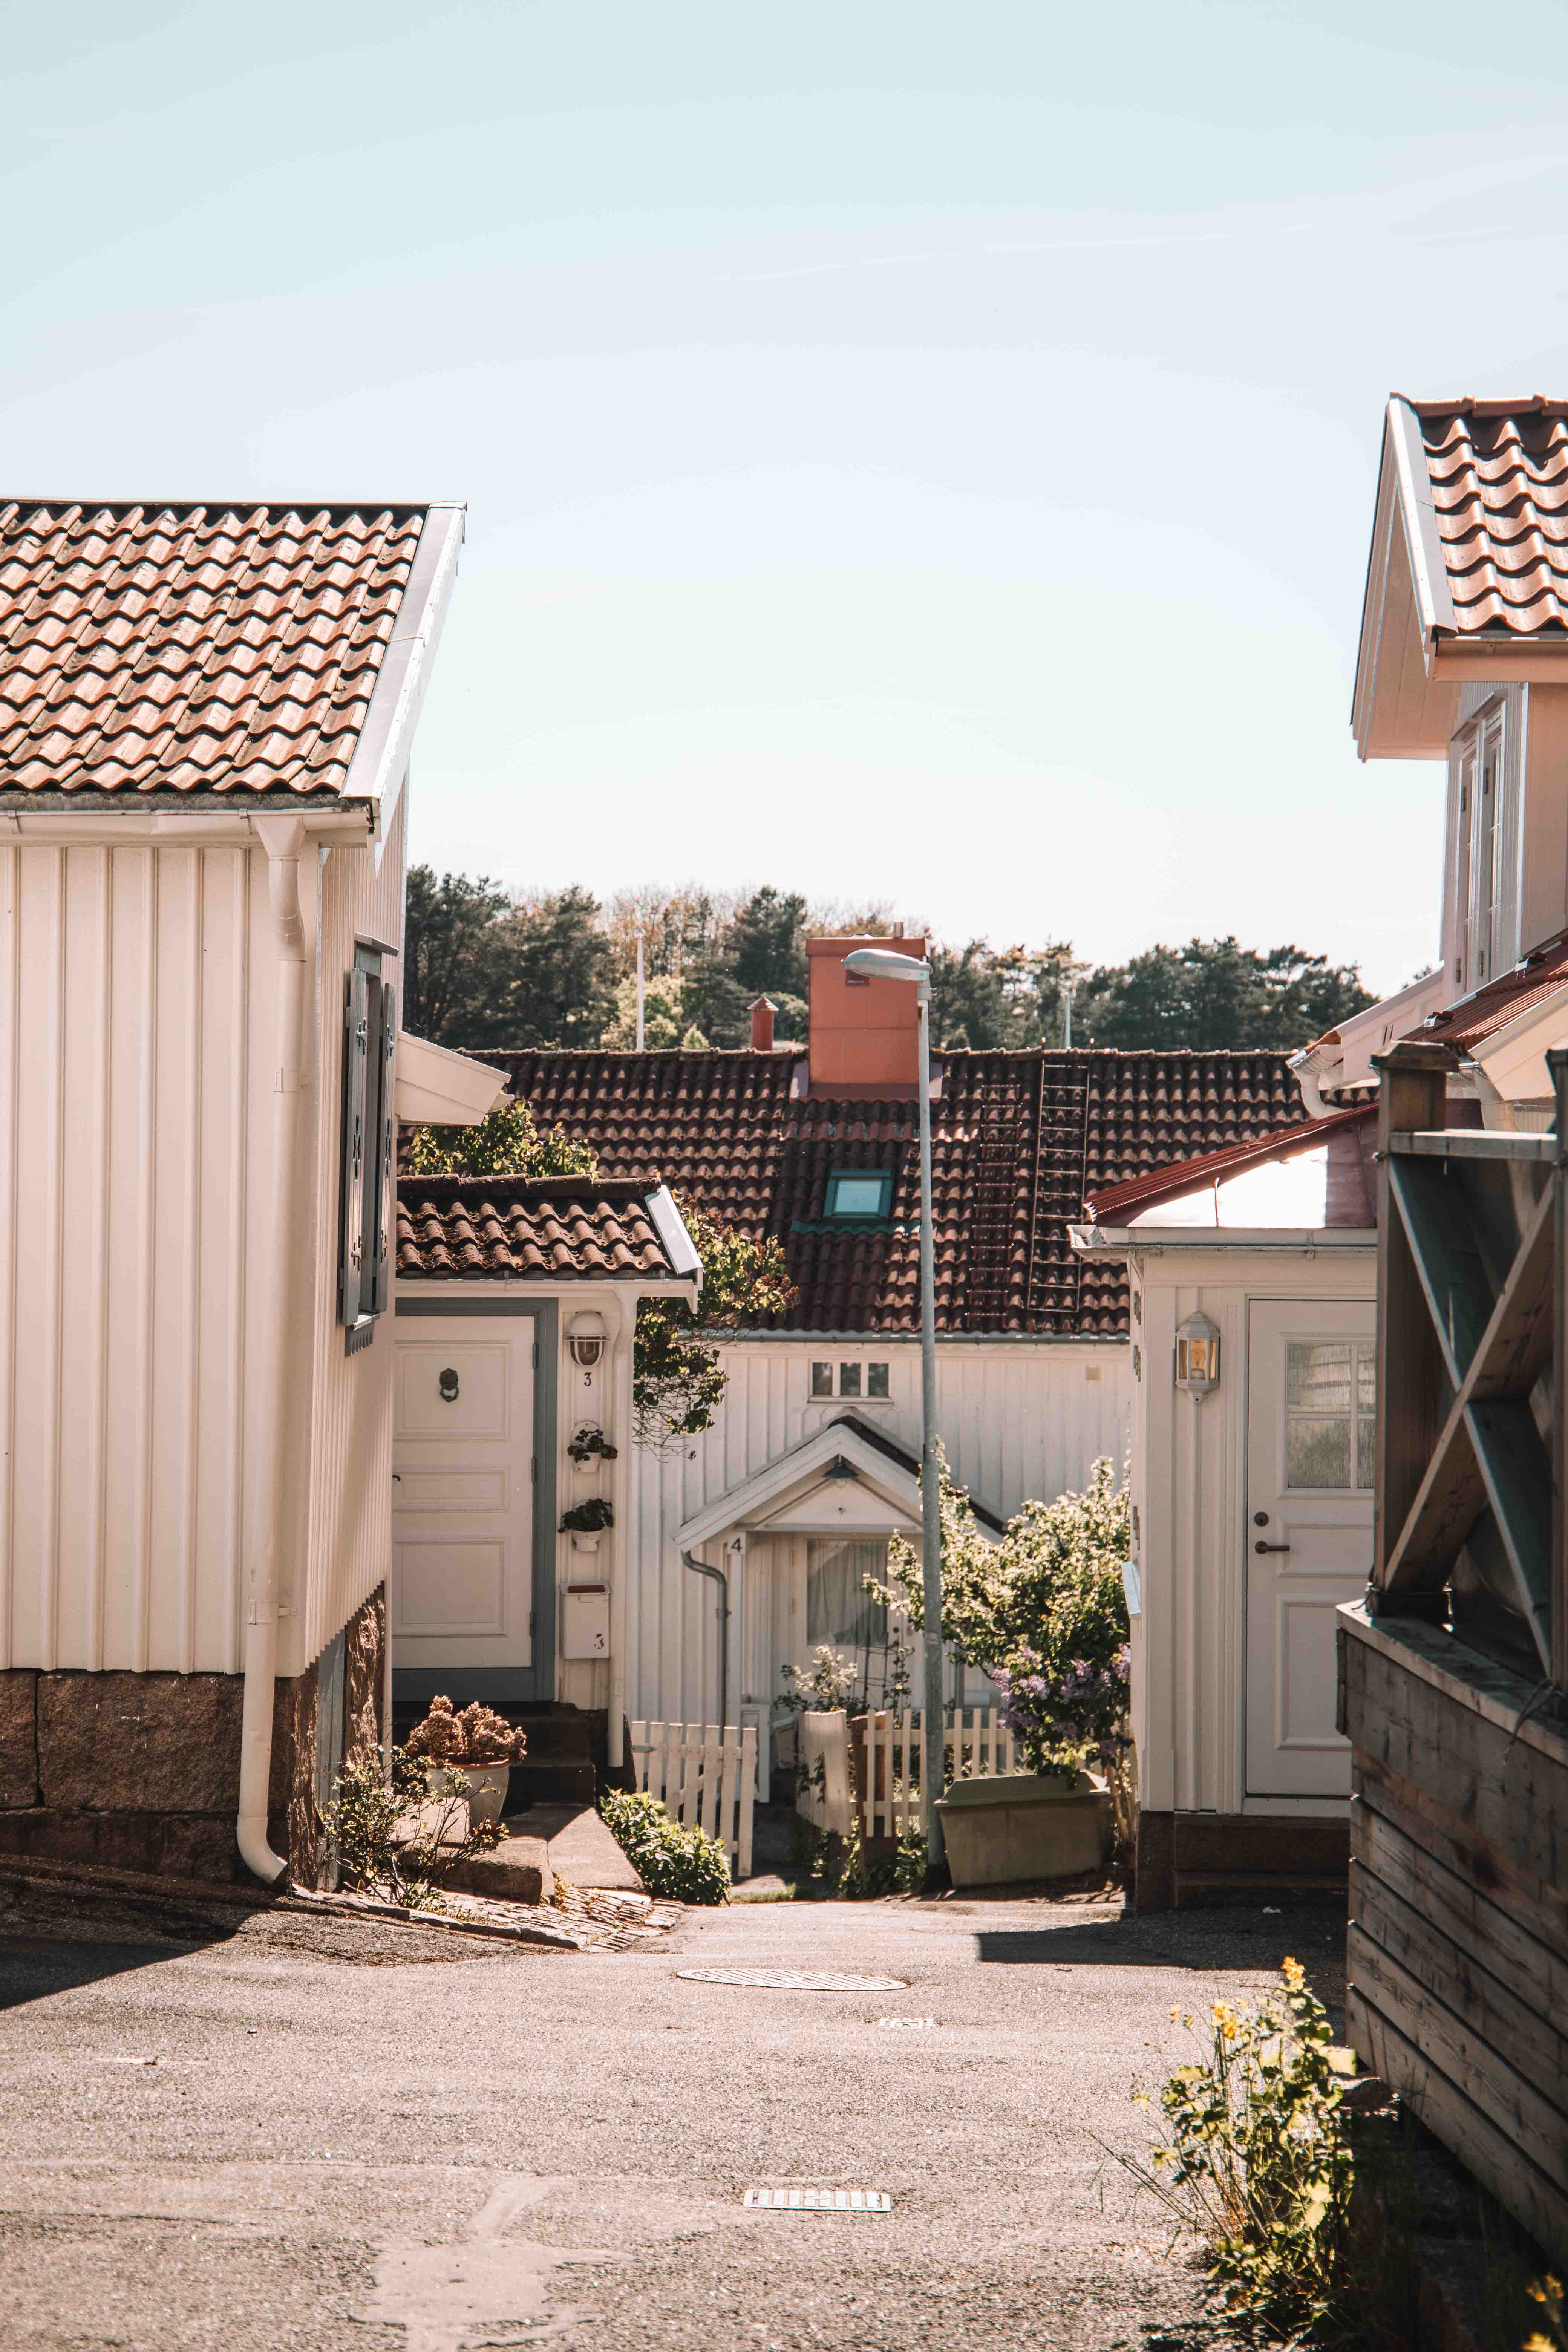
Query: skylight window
{"x":856,"y":1196}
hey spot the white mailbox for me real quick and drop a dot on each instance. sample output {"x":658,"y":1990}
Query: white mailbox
{"x":586,"y":1622}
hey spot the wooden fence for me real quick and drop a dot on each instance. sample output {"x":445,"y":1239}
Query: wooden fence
{"x":888,"y":1762}
{"x":705,"y":1776}
{"x":1452,"y":1673}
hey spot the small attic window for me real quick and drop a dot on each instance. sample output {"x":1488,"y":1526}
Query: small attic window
{"x":859,"y":1195}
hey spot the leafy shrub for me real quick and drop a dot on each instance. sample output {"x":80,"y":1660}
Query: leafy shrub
{"x":478,"y":1736}
{"x":1257,"y":2160}
{"x":684,"y":1863}
{"x":396,"y":1838}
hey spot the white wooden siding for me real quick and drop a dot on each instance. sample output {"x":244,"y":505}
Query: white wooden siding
{"x":1019,"y":1420}
{"x":136,"y":1099}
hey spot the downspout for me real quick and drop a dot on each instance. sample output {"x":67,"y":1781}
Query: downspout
{"x":700,"y":1568}
{"x":283,"y":838}
{"x":619,"y":1379}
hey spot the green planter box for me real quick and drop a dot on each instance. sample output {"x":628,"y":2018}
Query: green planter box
{"x":1003,"y":1828}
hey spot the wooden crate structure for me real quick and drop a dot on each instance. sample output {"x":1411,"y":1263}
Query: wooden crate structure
{"x":1451,"y":1673}
{"x":888,"y":1759}
{"x":705,"y":1776}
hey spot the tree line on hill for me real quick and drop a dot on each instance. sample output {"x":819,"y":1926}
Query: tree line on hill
{"x":488,"y":966}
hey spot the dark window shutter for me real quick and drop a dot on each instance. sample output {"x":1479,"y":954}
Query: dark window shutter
{"x":386,"y":1157}
{"x":351,"y":1237}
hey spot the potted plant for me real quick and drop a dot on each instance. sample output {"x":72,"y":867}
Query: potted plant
{"x":477,"y":1743}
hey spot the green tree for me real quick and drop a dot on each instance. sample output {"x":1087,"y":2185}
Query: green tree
{"x":1215,"y":993}
{"x":446,"y":975}
{"x":506,"y":1143}
{"x":552,"y":978}
{"x":1008,"y":997}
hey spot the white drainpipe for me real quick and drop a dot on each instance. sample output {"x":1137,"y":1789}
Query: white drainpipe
{"x":283,"y":839}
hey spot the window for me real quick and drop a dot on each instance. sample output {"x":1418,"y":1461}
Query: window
{"x":839,"y":1609}
{"x":1479,"y":879}
{"x":367,"y":1150}
{"x":859,"y":1195}
{"x":1331,"y":1415}
{"x":854,"y":1381}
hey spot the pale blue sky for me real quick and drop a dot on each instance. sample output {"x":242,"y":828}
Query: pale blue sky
{"x":911,"y":451}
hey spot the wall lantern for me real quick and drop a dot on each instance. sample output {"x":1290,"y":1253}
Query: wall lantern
{"x":586,"y":1338}
{"x":1197,"y":1357}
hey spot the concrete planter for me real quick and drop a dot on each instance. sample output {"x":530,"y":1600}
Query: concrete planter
{"x":487,"y":1786}
{"x":1007,"y":1827}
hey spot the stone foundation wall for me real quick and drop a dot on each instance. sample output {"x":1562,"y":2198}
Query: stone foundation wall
{"x":141,"y":1772}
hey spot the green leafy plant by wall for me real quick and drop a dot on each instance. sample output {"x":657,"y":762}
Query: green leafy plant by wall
{"x":507,"y":1142}
{"x":1255,"y":2158}
{"x":398,"y":1841}
{"x":686,"y":1865}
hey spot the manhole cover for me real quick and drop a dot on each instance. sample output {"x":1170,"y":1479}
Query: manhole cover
{"x":818,"y":2200}
{"x":794,"y":1979}
{"x":905,"y":2024}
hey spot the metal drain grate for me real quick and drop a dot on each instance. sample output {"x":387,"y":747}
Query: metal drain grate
{"x":818,"y":2200}
{"x":794,"y":1980}
{"x":905,"y":2024}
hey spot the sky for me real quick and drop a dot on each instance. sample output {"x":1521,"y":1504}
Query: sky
{"x":912,"y":453}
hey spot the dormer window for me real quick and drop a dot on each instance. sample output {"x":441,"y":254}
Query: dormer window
{"x":858,"y":1196}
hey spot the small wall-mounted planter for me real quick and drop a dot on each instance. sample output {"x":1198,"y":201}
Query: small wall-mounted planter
{"x":487,"y":1786}
{"x":588,"y":1543}
{"x":1002,"y":1828}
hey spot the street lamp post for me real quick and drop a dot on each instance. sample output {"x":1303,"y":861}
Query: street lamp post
{"x":886,"y":963}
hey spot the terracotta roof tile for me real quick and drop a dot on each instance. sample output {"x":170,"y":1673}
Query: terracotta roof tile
{"x":490,"y":1228}
{"x":1499,"y":471}
{"x":1017,"y":1140}
{"x":192,"y":648}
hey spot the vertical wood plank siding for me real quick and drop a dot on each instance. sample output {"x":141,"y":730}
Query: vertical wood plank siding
{"x":1017,"y":1419}
{"x":136,"y":1085}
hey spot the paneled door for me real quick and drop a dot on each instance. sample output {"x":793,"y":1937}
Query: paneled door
{"x":1311,"y":1399}
{"x":462,"y":1496}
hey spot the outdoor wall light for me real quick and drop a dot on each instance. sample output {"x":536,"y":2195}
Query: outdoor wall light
{"x":586,"y":1338}
{"x":1197,"y":1357}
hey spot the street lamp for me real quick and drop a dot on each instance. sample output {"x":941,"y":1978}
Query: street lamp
{"x":886,"y":963}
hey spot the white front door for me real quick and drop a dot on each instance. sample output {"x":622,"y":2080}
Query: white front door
{"x":462,"y":1496}
{"x":1311,"y":1397}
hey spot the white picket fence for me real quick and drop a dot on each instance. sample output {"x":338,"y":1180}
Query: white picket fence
{"x":891,"y":1803}
{"x":705,"y":1777}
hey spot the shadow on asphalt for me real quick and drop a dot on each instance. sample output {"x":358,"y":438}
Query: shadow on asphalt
{"x":1314,"y":1935}
{"x":34,"y":1968}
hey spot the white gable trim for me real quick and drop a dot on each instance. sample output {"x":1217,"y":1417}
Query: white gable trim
{"x":379,"y":762}
{"x":796,"y":1472}
{"x":437,"y":1087}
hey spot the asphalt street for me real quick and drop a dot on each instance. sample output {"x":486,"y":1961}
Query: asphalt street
{"x":318,"y":2135}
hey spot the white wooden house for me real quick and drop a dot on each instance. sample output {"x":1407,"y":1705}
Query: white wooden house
{"x":811,"y":1464}
{"x":1464,"y":659}
{"x":205,"y":719}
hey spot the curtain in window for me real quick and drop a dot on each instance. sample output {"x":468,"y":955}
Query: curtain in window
{"x":839,"y":1609}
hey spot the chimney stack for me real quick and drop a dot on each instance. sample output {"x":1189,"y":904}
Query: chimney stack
{"x":864,"y":1035}
{"x":763,"y":1011}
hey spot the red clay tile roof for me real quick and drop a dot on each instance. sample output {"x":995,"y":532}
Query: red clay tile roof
{"x":1499,"y":470}
{"x":1479,"y":1016}
{"x":192,"y":648}
{"x":1120,"y":1201}
{"x":1018,"y":1139}
{"x":490,"y":1228}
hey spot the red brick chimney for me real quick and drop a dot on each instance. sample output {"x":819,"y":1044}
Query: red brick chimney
{"x":864,"y":1038}
{"x":762,"y":1010}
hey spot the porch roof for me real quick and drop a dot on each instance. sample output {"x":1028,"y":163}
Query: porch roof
{"x":886,"y":1467}
{"x":1319,"y":1176}
{"x":551,"y":1229}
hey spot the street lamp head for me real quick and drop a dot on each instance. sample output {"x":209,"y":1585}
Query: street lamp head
{"x":886,"y":963}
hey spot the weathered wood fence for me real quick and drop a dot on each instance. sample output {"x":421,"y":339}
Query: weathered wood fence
{"x":888,"y":1761}
{"x":1452,"y":1673}
{"x":705,"y":1777}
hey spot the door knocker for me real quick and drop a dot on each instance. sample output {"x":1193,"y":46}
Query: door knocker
{"x":448,"y":1385}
